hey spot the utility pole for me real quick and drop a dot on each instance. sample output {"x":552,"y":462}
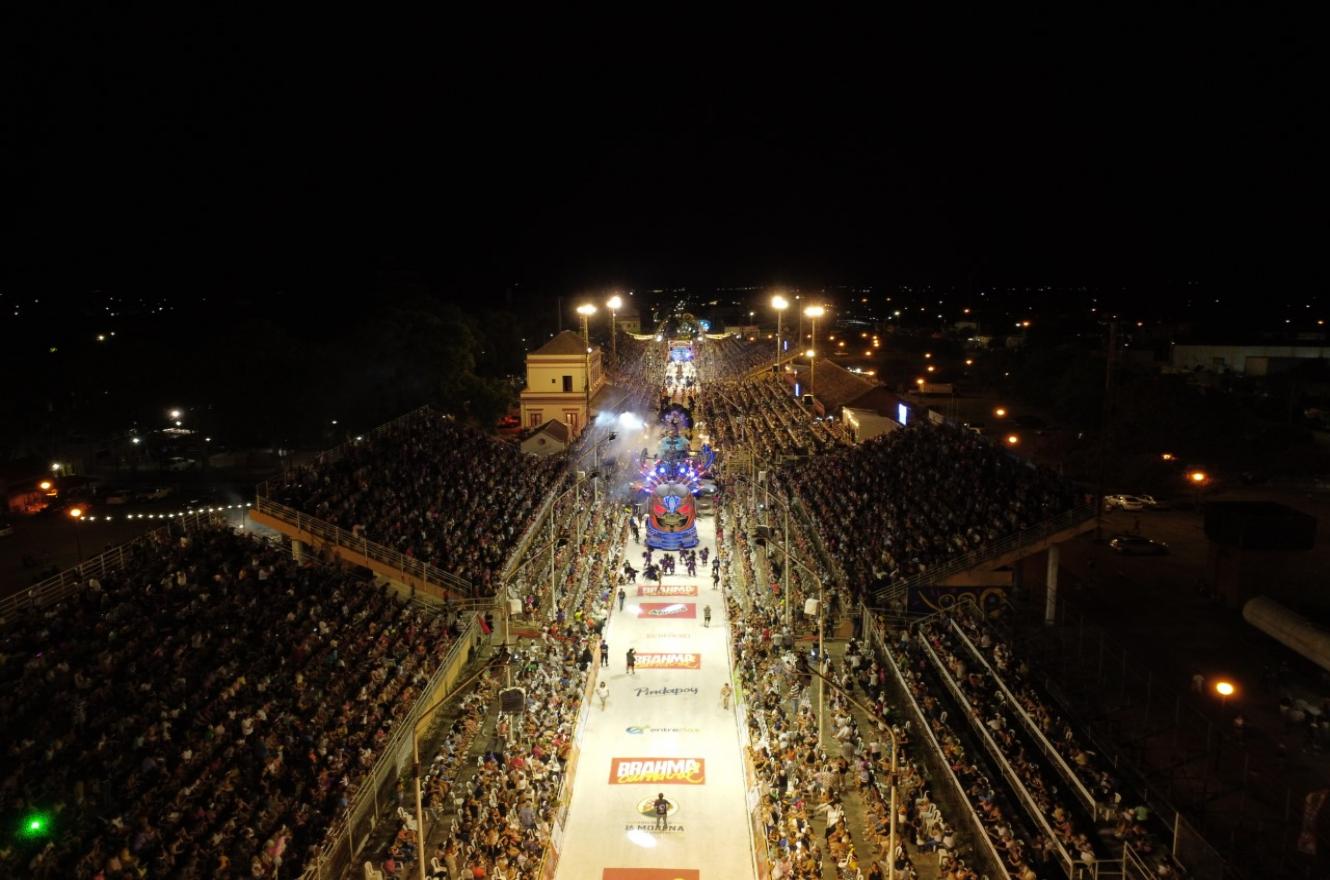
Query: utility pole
{"x":1105,"y":427}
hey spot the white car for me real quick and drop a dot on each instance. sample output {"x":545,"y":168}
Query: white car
{"x":1129,"y":502}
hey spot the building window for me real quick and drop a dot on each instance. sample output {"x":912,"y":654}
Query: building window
{"x":567,"y":384}
{"x":534,"y":419}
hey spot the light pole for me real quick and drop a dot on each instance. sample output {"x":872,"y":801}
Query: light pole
{"x":76,"y":514}
{"x":614,"y":304}
{"x":813,"y":312}
{"x":780,"y":304}
{"x":812,"y":371}
{"x":586,"y":310}
{"x":1198,"y":479}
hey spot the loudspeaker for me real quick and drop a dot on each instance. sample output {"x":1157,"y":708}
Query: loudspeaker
{"x":512,"y":701}
{"x":810,"y":607}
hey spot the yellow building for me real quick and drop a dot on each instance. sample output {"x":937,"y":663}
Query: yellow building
{"x":562,"y":380}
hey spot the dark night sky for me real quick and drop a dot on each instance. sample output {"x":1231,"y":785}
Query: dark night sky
{"x":191,"y":153}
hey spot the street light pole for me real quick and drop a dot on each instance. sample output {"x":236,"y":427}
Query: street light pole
{"x":780,"y":304}
{"x":614,"y":305}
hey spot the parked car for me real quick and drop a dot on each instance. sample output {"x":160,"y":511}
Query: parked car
{"x":1135,"y":545}
{"x":1129,"y":502}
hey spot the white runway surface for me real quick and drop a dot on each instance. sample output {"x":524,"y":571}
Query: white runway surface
{"x":658,"y":715}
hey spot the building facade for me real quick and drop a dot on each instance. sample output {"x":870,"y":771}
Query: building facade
{"x":562,"y":377}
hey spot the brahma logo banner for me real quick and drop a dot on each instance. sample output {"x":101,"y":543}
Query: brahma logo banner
{"x":658,"y":771}
{"x":685,"y":610}
{"x":667,"y":590}
{"x":650,"y":874}
{"x":669,"y":661}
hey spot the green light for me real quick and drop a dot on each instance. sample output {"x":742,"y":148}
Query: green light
{"x":36,"y":825}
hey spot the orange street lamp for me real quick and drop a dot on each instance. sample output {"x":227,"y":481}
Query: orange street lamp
{"x":1198,"y":477}
{"x":1167,"y":456}
{"x":919,"y":381}
{"x":1225,"y":689}
{"x":1000,"y":412}
{"x":969,"y":362}
{"x":45,"y":485}
{"x":76,"y":514}
{"x":1012,"y":440}
{"x":931,"y":368}
{"x":928,"y":354}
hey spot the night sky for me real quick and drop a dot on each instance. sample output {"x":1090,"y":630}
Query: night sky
{"x":205,"y":154}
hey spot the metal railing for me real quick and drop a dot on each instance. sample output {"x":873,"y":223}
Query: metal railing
{"x":59,"y":586}
{"x":874,"y":629}
{"x":1014,"y":781}
{"x":407,"y":565}
{"x":1040,"y":740}
{"x":347,"y":836}
{"x":899,"y":589}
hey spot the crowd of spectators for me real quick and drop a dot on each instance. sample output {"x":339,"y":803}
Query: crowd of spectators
{"x":1026,"y":855}
{"x":731,"y":358}
{"x":986,"y":711}
{"x":764,"y":415}
{"x":431,"y":489}
{"x":908,"y":500}
{"x":1130,"y":819}
{"x":497,"y":820}
{"x":207,"y":711}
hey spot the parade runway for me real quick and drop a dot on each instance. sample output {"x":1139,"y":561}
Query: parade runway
{"x":663,"y":730}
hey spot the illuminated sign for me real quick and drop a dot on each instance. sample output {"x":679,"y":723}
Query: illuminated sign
{"x":686,"y":610}
{"x":902,"y":413}
{"x":643,"y":729}
{"x":658,"y":771}
{"x":669,"y":661}
{"x":667,"y":590}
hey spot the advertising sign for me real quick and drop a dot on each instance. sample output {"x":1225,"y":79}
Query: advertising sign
{"x":667,"y":590}
{"x":683,"y":610}
{"x":669,"y":661}
{"x":658,"y":771}
{"x":650,"y":874}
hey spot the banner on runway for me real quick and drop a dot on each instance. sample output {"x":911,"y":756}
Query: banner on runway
{"x":658,"y":771}
{"x":667,"y":590}
{"x":650,"y":874}
{"x":669,"y":661}
{"x":686,"y":610}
